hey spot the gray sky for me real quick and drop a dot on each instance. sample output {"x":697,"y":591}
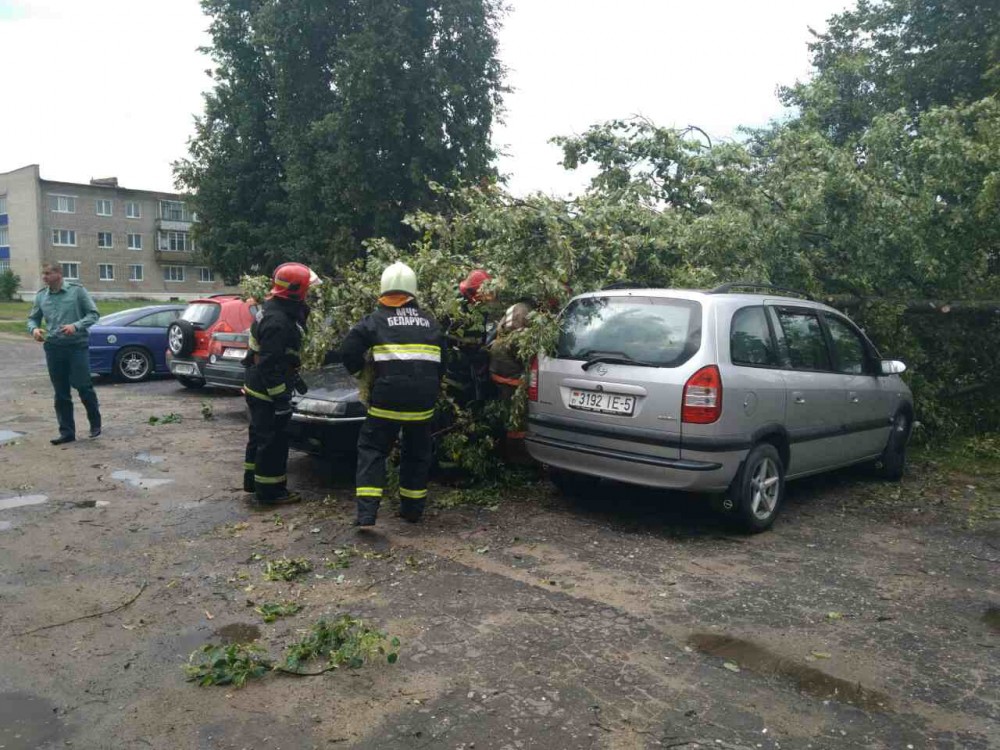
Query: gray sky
{"x":97,"y":88}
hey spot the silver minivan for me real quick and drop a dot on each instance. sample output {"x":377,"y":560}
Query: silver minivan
{"x":717,"y":392}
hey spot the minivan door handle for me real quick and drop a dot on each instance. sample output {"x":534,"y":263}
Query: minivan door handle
{"x":852,"y":396}
{"x":798,"y":397}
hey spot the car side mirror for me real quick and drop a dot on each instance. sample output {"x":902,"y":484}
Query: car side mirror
{"x":891,"y":367}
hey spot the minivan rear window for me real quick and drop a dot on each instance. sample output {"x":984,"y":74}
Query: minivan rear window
{"x":201,"y":314}
{"x":653,"y":330}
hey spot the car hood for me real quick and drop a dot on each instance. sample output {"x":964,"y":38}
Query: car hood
{"x":331,"y":383}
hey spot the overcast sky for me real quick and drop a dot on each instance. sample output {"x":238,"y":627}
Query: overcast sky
{"x":97,"y":88}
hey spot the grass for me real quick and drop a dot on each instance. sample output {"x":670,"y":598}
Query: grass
{"x":14,"y":315}
{"x":966,"y":469}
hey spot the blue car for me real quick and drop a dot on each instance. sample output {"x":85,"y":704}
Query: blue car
{"x":131,"y":345}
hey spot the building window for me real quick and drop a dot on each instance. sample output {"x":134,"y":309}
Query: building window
{"x":205,"y":275}
{"x":62,"y":204}
{"x":4,"y":265}
{"x":135,"y":272}
{"x":106,"y":271}
{"x":133,"y":210}
{"x":173,"y":273}
{"x":3,"y":237}
{"x":104,"y":240}
{"x":70,"y":269}
{"x":3,"y":204}
{"x":134,"y":241}
{"x":103,"y":207}
{"x":64,"y":237}
{"x":178,"y":242}
{"x":174,"y":211}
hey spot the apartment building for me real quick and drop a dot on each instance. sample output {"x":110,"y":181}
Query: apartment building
{"x":116,"y":241}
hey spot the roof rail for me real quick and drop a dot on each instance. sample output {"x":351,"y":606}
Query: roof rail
{"x":223,"y":294}
{"x":624,"y":285}
{"x":727,"y":288}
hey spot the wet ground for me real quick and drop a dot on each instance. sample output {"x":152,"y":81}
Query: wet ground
{"x":869,"y":617}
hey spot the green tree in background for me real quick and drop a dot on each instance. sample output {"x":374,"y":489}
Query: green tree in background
{"x":886,"y":55}
{"x":329,"y":119}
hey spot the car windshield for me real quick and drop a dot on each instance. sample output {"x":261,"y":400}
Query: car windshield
{"x":650,"y":330}
{"x":201,"y":314}
{"x":114,"y":318}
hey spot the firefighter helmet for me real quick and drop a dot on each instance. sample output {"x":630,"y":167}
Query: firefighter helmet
{"x":291,"y":281}
{"x":399,"y":277}
{"x":470,"y":285}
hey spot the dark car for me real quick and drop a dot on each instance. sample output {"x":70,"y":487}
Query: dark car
{"x":326,"y":420}
{"x":130,"y":345}
{"x":196,"y":350}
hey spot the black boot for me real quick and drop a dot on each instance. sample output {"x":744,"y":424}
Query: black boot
{"x":248,"y":481}
{"x":411,"y":510}
{"x":367,"y":511}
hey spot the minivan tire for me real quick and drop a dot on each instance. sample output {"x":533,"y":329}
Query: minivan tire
{"x":757,"y":493}
{"x":892,"y":463}
{"x":573,"y":485}
{"x":192,"y":383}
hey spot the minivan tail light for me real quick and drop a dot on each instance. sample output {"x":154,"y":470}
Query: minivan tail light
{"x":533,"y":380}
{"x":703,"y":397}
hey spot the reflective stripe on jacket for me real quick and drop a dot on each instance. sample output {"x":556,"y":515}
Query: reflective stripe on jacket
{"x":406,"y":349}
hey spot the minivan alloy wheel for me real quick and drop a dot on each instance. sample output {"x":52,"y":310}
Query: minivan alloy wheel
{"x":765,"y":486}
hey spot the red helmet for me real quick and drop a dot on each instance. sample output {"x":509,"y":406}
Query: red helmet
{"x":291,"y":281}
{"x":469,"y":287}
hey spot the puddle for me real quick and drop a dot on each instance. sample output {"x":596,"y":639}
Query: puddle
{"x":808,"y":679}
{"x":147,"y":458}
{"x":191,"y":505}
{"x":136,"y":479}
{"x":238,"y":632}
{"x":16,"y":502}
{"x":5,"y":525}
{"x":7,"y":435}
{"x":992,"y":618}
{"x":28,"y":722}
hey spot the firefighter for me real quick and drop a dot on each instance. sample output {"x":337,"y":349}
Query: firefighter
{"x":405,"y":346}
{"x":506,"y":369}
{"x":272,"y":374}
{"x":467,"y":376}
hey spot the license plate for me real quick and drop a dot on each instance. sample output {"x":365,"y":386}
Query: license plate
{"x":234,"y":353}
{"x":183,"y":369}
{"x":608,"y":403}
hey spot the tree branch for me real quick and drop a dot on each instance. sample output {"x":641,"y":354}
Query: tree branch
{"x":87,"y":617}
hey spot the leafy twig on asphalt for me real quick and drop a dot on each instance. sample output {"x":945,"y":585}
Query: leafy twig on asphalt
{"x":87,"y":617}
{"x":170,"y":418}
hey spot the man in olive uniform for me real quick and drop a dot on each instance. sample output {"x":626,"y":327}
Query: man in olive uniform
{"x":68,"y":312}
{"x":272,"y":364}
{"x":405,"y":345}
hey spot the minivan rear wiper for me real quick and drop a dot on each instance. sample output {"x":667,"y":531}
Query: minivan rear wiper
{"x":613,"y":358}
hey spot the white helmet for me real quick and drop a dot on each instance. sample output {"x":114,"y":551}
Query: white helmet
{"x":399,"y":277}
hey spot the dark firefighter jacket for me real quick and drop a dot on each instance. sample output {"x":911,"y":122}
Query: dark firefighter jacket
{"x":275,"y":340}
{"x":406,"y":349}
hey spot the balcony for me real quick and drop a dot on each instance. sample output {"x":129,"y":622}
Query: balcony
{"x":174,"y":216}
{"x":175,"y":257}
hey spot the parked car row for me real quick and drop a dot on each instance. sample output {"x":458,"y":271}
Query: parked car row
{"x":729,"y":393}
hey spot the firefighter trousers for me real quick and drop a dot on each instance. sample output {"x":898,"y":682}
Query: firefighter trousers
{"x":378,"y":435}
{"x":266,"y":460}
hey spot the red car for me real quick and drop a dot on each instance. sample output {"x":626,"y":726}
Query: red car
{"x":197,"y":351}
